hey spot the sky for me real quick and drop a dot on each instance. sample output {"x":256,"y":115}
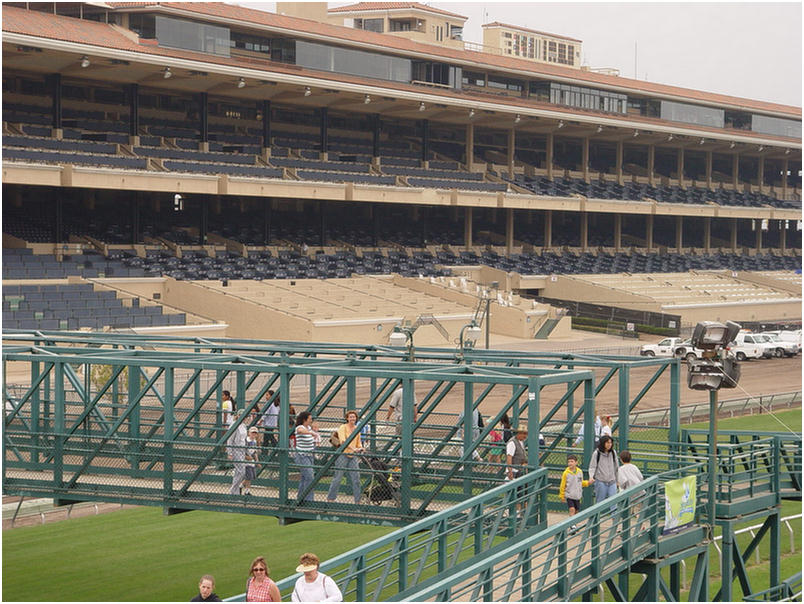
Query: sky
{"x":744,"y":49}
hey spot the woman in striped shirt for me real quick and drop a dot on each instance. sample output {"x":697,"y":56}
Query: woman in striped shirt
{"x":306,"y":437}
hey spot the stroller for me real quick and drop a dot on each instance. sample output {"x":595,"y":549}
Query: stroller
{"x":382,"y":486}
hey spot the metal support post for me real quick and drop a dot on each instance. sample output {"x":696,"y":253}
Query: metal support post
{"x":727,"y":561}
{"x":58,"y":428}
{"x":407,"y":442}
{"x":588,"y":432}
{"x":168,"y":428}
{"x":284,"y":423}
{"x":134,"y":418}
{"x":675,"y":417}
{"x":713,"y":461}
{"x":467,"y":429}
{"x":624,"y":388}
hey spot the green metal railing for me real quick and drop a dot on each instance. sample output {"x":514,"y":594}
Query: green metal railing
{"x":478,"y":526}
{"x":150,"y":432}
{"x":788,"y":590}
{"x":558,"y":563}
{"x":742,"y":460}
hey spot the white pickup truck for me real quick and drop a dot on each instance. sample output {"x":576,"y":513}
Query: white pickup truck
{"x":665,"y":348}
{"x":684,"y":350}
{"x":782,"y":348}
{"x":745,"y":338}
{"x":744,"y":351}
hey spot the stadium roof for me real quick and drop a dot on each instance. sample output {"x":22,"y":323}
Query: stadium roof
{"x":49,"y":26}
{"x":385,"y":6}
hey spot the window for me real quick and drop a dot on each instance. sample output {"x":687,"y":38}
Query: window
{"x":473,"y":78}
{"x":370,"y":24}
{"x":692,"y":114}
{"x":776,"y":125}
{"x":250,"y":43}
{"x":189,"y":35}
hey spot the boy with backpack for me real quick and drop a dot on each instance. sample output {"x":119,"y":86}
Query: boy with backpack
{"x":571,"y":487}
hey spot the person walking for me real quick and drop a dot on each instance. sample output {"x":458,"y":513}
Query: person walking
{"x":516,"y":454}
{"x":206,"y":590}
{"x":598,"y":431}
{"x":395,"y":409}
{"x":603,"y":469}
{"x":571,"y":487}
{"x":252,"y":454}
{"x":236,"y":451}
{"x":227,"y":408}
{"x":259,"y":586}
{"x":349,"y":461}
{"x":270,"y":420}
{"x":477,"y":426}
{"x":628,"y":475}
{"x":314,"y":586}
{"x":606,"y":425}
{"x":306,"y":437}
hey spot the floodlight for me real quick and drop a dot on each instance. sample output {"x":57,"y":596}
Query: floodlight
{"x":85,"y":61}
{"x":731,"y":373}
{"x":167,"y":73}
{"x":307,"y":91}
{"x":472,"y":333}
{"x":517,"y":119}
{"x":705,"y":375}
{"x":709,"y":335}
{"x":366,"y":99}
{"x":397,"y":338}
{"x":241,"y":83}
{"x":422,"y":106}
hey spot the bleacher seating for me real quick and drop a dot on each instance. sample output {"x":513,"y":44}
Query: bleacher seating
{"x":74,"y":306}
{"x":89,"y":137}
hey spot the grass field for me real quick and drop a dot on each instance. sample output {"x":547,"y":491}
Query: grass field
{"x":142,"y":555}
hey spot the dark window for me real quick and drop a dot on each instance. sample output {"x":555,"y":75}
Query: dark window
{"x":373,"y":25}
{"x":143,"y":25}
{"x":190,"y":35}
{"x":776,"y":125}
{"x":250,"y":43}
{"x":692,"y":114}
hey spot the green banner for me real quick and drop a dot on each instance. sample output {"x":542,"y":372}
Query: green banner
{"x":679,"y":504}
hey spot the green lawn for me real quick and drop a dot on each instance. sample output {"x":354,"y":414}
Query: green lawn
{"x":143,"y":555}
{"x":780,"y":421}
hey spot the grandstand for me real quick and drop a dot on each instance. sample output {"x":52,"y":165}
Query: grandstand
{"x":292,"y":165}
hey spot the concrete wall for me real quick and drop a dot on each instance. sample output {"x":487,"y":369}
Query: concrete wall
{"x":737,"y":311}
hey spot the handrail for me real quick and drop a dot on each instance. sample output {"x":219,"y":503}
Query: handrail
{"x":435,"y":543}
{"x":559,"y":562}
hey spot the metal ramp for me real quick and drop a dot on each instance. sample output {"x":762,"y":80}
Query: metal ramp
{"x":147,"y":430}
{"x":546,"y":329}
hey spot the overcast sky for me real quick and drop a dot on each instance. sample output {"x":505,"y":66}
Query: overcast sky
{"x":745,"y":49}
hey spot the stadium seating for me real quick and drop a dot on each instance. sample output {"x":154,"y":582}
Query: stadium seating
{"x":73,"y":306}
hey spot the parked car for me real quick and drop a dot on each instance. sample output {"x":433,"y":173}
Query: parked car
{"x":744,"y":351}
{"x":746,"y":338}
{"x":685,"y":350}
{"x":664,"y":348}
{"x":789,"y":335}
{"x":782,"y":348}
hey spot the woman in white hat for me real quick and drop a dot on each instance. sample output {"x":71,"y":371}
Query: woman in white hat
{"x":314,"y":586}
